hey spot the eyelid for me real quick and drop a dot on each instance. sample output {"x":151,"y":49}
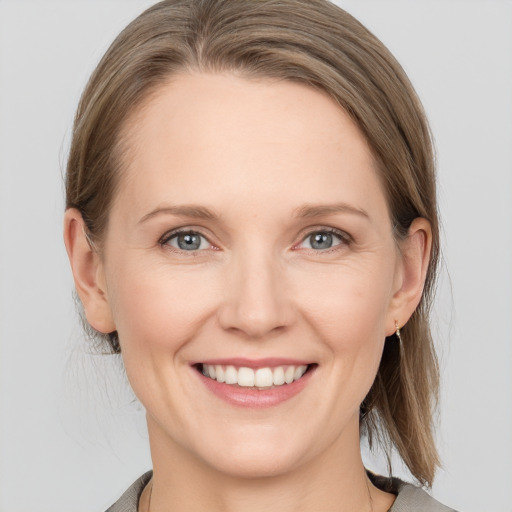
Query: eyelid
{"x":345,"y":238}
{"x":164,"y":239}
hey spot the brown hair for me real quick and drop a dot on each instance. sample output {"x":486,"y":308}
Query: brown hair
{"x":318,"y":44}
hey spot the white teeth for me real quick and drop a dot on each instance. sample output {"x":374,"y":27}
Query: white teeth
{"x":263,"y":378}
{"x":260,"y":378}
{"x":278,"y":377}
{"x":299,"y":372}
{"x":246,"y":377}
{"x":231,"y":375}
{"x":288,"y":374}
{"x":220,"y":374}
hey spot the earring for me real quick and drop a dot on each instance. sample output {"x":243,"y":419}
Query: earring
{"x":397,"y":333}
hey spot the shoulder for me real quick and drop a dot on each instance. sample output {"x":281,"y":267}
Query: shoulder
{"x":129,"y":501}
{"x":409,"y":498}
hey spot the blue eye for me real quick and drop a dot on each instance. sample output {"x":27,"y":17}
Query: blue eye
{"x":322,"y":240}
{"x":187,"y":241}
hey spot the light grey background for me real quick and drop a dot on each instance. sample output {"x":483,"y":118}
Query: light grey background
{"x":70,"y":438}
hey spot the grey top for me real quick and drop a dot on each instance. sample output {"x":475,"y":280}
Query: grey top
{"x":409,"y":498}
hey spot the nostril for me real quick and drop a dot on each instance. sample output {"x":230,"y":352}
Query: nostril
{"x":256,"y":306}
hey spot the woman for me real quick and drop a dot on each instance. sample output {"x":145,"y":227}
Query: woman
{"x":251,"y":222}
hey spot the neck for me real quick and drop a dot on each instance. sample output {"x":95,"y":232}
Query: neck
{"x":335,"y":481}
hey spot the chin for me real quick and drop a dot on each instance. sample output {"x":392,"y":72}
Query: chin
{"x":255,"y":463}
{"x":249,"y":452}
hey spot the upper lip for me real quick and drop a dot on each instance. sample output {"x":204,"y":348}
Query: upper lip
{"x":254,"y":363}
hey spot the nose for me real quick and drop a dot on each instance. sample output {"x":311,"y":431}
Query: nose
{"x":256,"y":301}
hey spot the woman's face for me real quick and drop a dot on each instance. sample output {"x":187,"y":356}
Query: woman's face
{"x":250,"y":234}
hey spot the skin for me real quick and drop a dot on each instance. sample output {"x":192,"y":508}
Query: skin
{"x":254,"y":152}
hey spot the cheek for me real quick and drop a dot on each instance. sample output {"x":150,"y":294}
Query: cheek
{"x":157,"y":312}
{"x":347,"y":300}
{"x":347,"y":307}
{"x":156,"y":308}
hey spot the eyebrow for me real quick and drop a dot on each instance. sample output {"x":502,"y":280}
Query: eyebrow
{"x":191,"y":211}
{"x":310,"y":211}
{"x":303,"y":212}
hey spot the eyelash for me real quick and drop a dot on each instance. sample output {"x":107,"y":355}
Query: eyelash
{"x":344,"y":238}
{"x":165,"y":239}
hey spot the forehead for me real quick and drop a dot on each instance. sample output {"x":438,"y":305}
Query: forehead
{"x":209,"y":138}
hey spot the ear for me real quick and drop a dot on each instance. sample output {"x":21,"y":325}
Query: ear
{"x":411,"y":273}
{"x":88,"y":273}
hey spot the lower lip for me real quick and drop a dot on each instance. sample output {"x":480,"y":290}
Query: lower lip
{"x":255,"y":398}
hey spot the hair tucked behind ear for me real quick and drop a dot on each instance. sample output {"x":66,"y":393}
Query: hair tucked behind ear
{"x":318,"y":44}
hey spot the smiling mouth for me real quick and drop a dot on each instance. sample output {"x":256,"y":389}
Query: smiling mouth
{"x":260,"y":378}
